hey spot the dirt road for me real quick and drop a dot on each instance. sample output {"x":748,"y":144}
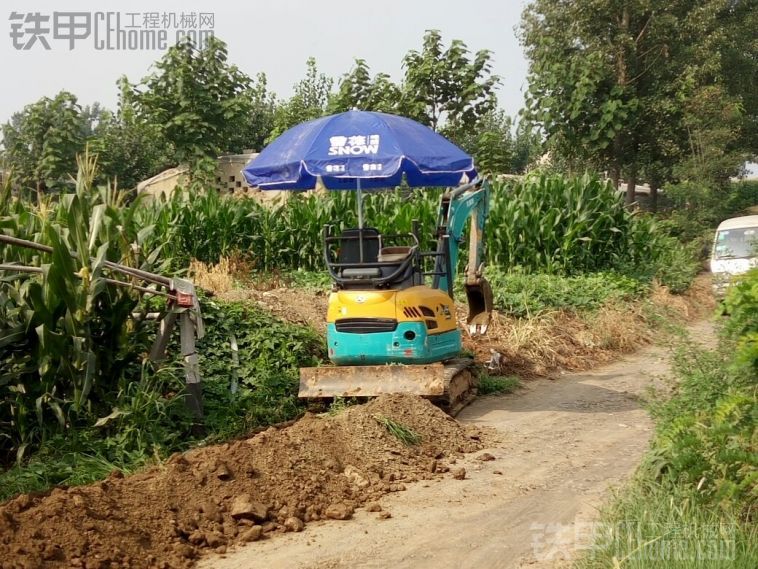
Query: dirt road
{"x":565,"y":443}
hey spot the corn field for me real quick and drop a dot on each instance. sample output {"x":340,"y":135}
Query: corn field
{"x":547,"y":224}
{"x":69,"y":340}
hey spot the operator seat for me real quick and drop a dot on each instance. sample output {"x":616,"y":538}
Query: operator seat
{"x":355,"y":276}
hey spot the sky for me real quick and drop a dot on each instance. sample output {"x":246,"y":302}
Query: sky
{"x":272,"y":37}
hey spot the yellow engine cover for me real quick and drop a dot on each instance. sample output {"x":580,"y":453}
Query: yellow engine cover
{"x":416,"y":304}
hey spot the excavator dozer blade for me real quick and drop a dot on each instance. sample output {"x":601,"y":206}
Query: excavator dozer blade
{"x":479,"y":297}
{"x":451,"y":385}
{"x":369,"y":381}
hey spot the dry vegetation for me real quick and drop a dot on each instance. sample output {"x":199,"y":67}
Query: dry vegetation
{"x":545,"y":343}
{"x":536,"y":346}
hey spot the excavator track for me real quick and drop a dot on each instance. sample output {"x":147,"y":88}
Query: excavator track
{"x":450,"y":385}
{"x":460,"y":386}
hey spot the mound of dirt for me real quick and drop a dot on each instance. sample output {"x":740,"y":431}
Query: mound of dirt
{"x":319,"y":467}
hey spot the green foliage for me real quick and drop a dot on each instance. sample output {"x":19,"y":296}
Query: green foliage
{"x":524,"y":294}
{"x":357,"y":90}
{"x":555,"y":224}
{"x":490,"y":142}
{"x":696,"y":208}
{"x":712,"y":119}
{"x":270,"y":351}
{"x":489,"y":384}
{"x":542,"y":224}
{"x":68,"y":340}
{"x":196,"y":98}
{"x":61,"y":461}
{"x":265,"y":372}
{"x":704,"y":433}
{"x":446,"y":89}
{"x":742,"y":304}
{"x":402,"y":433}
{"x":697,"y":489}
{"x":129,"y":149}
{"x":309,"y":101}
{"x":641,"y":87}
{"x":527,"y":147}
{"x":255,"y":130}
{"x":41,"y":142}
{"x":149,"y":420}
{"x":671,"y":263}
{"x":648,"y":525}
{"x":309,"y":280}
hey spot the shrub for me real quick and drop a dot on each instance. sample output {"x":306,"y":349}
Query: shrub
{"x":742,"y":304}
{"x":522,"y":294}
{"x":705,"y":436}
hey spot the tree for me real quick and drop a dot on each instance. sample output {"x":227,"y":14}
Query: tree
{"x":490,"y":142}
{"x":196,"y":98}
{"x":586,"y":59}
{"x":357,"y":90}
{"x":309,"y":101}
{"x":129,"y":149}
{"x":41,"y":142}
{"x":446,"y":89}
{"x":611,"y":80}
{"x":256,"y":129}
{"x":527,"y":147}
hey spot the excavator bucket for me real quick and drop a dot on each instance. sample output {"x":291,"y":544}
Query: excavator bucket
{"x":479,"y":296}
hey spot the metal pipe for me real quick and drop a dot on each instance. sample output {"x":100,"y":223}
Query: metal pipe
{"x":145,"y":275}
{"x":20,"y":268}
{"x":448,"y":266}
{"x":38,"y":270}
{"x":360,"y":219}
{"x":460,"y":189}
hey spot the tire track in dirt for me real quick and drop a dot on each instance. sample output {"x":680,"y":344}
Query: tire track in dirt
{"x":564,"y":444}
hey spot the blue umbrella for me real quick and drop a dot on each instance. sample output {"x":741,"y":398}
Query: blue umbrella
{"x":359,"y":150}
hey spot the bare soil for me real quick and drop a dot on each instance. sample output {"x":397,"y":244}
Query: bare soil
{"x":292,"y":305}
{"x":210,"y":498}
{"x":564,"y":445}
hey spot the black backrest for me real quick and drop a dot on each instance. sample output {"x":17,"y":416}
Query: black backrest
{"x":349,"y":251}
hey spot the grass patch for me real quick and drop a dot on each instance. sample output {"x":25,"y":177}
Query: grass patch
{"x":339,"y":404}
{"x":522,"y":294}
{"x":402,"y":433}
{"x":666,"y":527}
{"x":313,"y":281}
{"x":497,"y":384}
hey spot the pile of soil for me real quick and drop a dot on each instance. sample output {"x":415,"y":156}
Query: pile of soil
{"x":209,"y":498}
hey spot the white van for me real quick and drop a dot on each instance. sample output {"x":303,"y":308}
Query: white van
{"x":735,"y":249}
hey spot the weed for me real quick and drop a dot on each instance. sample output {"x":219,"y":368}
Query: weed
{"x":402,"y":433}
{"x":493,"y":384}
{"x":339,"y":404}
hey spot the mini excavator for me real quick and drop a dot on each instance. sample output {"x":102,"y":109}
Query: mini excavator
{"x":391,"y":324}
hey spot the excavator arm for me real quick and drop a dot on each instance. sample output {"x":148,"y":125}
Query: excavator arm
{"x":466,"y":204}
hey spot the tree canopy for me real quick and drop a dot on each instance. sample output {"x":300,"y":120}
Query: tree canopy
{"x":642,"y":88}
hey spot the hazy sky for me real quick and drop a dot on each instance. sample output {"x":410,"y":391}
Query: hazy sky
{"x":274,"y":37}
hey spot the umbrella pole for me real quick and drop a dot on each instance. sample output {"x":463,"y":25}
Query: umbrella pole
{"x":360,"y":218}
